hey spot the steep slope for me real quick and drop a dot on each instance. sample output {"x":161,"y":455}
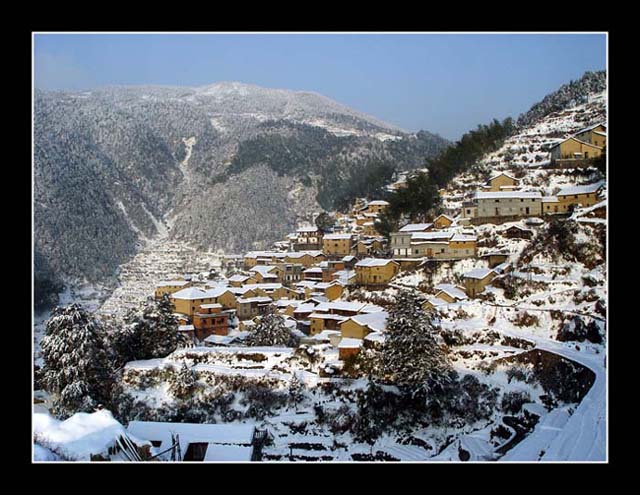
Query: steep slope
{"x":226,"y":166}
{"x":568,"y":95}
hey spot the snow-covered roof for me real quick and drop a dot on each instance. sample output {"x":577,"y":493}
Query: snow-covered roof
{"x":508,"y":195}
{"x":238,"y":278}
{"x":326,"y":334}
{"x":223,"y":433}
{"x":172,"y":283}
{"x":502,"y":174}
{"x":478,"y":273}
{"x":445,"y":216}
{"x":501,"y":267}
{"x":211,"y":306}
{"x":219,"y":339}
{"x":432,"y":236}
{"x":284,"y":303}
{"x":573,"y":138}
{"x":348,"y":258}
{"x":549,"y":199}
{"x":307,"y":229}
{"x":463,"y":238}
{"x":327,"y":316}
{"x":588,"y":189}
{"x":304,"y":308}
{"x":603,"y":124}
{"x":189,"y":293}
{"x":314,"y":269}
{"x":249,"y":300}
{"x":263,"y":270}
{"x":312,"y":253}
{"x":452,"y":291}
{"x":379,"y":202}
{"x":186,"y":328}
{"x":416,"y":227}
{"x":533,"y":221}
{"x":356,"y":307}
{"x":349,"y":343}
{"x":263,"y":286}
{"x":375,"y":337}
{"x":367,"y":262}
{"x":518,"y":227}
{"x":82,"y":434}
{"x":376,"y":321}
{"x":436,"y":301}
{"x":332,"y":237}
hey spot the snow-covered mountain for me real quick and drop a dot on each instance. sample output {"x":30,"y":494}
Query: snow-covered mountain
{"x":215,"y":166}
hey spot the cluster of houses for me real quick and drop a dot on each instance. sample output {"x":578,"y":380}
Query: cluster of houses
{"x":305,"y":276}
{"x":501,"y":200}
{"x":578,"y":149}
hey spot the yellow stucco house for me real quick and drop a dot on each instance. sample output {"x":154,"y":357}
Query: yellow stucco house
{"x":170,"y":287}
{"x":361,"y":325}
{"x":377,"y":206}
{"x":579,"y":195}
{"x":442,"y":221}
{"x":375,"y":272}
{"x":337,"y":245}
{"x":575,"y":149}
{"x":501,"y":182}
{"x":595,"y":134}
{"x":477,"y":279}
{"x":188,"y":301}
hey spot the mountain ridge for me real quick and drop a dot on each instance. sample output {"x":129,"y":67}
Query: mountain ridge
{"x":112,"y":168}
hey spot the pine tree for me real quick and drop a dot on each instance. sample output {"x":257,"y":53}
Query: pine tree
{"x":296,"y":390}
{"x":151,"y":332}
{"x":412,"y":356}
{"x":271,"y":330}
{"x":325,"y":222}
{"x":370,"y":423}
{"x":76,"y":369}
{"x":183,"y":383}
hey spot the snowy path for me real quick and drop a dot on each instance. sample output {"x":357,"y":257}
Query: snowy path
{"x":579,"y":437}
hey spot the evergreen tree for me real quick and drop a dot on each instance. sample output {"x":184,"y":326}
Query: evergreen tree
{"x":271,"y":330}
{"x":183,"y":383}
{"x":296,"y":390}
{"x":412,"y":356}
{"x":371,"y":421}
{"x":151,"y":332}
{"x":76,"y":368}
{"x":325,"y":222}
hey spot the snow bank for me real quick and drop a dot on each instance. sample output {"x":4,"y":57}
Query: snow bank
{"x":77,"y":437}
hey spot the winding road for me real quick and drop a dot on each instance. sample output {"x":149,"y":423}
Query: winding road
{"x":581,"y":436}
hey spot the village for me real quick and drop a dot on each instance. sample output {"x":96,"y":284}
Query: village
{"x":333,"y":288}
{"x":306,"y":276}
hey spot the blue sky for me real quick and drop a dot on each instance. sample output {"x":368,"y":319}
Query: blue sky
{"x":444,"y":83}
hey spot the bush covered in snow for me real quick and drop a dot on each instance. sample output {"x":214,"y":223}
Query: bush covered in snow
{"x":271,"y":331}
{"x":512,"y":402}
{"x":150,"y":332}
{"x":525,"y":319}
{"x":576,"y":329}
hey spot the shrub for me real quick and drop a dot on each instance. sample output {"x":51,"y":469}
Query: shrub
{"x":512,"y":402}
{"x":525,"y":319}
